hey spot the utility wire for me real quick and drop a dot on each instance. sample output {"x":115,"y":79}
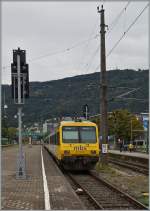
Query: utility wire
{"x":65,"y":50}
{"x":97,"y":68}
{"x":115,"y":21}
{"x":130,"y":26}
{"x":92,"y":58}
{"x":116,"y":44}
{"x":86,"y":46}
{"x":112,"y":25}
{"x":76,"y":45}
{"x":58,"y":52}
{"x":120,"y":98}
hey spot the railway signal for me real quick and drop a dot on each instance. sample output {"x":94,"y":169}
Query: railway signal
{"x":85,"y":110}
{"x":24,"y":75}
{"x":20,"y":91}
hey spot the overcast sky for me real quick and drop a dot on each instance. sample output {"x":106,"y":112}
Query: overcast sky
{"x":44,"y":28}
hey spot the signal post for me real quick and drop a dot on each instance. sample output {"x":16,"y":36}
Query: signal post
{"x":20,"y":91}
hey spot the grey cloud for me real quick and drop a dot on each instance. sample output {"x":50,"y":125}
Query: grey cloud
{"x":44,"y":27}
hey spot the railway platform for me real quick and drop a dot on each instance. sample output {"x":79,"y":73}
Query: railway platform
{"x":142,"y":158}
{"x":132,"y":154}
{"x":29,"y":194}
{"x":22,"y":194}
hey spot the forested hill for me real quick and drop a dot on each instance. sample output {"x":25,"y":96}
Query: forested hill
{"x":65,"y":97}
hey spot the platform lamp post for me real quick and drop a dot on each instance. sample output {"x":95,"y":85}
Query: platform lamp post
{"x":20,"y":91}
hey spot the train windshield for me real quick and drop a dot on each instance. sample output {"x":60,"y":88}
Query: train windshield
{"x":87,"y":134}
{"x":70,"y":134}
{"x":80,"y":134}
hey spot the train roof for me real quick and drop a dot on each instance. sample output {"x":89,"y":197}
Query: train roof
{"x":77,"y":123}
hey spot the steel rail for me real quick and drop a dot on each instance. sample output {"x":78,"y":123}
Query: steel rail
{"x":132,"y":166}
{"x":90,"y":197}
{"x":127,"y":196}
{"x":130,"y":201}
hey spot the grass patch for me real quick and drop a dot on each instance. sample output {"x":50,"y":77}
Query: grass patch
{"x":144,"y":200}
{"x":105,"y":168}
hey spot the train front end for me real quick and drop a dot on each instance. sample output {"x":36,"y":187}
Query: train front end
{"x":79,"y":145}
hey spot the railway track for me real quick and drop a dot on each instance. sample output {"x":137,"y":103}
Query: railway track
{"x":101,"y":194}
{"x":133,"y":166}
{"x":98,"y":194}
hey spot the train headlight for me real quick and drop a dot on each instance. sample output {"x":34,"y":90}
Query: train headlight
{"x":93,"y":152}
{"x":66,"y":152}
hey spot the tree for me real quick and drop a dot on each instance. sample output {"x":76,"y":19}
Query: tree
{"x":119,"y":124}
{"x":137,"y":127}
{"x":12,"y":133}
{"x":4,"y":132}
{"x":4,"y":128}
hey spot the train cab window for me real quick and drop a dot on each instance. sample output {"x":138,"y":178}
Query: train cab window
{"x":87,"y":134}
{"x":70,"y":134}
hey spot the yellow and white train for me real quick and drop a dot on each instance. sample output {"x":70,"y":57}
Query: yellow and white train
{"x":75,"y":144}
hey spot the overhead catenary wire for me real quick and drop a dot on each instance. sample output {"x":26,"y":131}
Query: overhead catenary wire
{"x":120,"y":97}
{"x":85,"y":41}
{"x":78,"y":44}
{"x":86,"y":46}
{"x":74,"y":46}
{"x":112,"y":25}
{"x":130,"y":26}
{"x":65,"y":50}
{"x":116,"y":20}
{"x":125,"y":33}
{"x":92,"y":58}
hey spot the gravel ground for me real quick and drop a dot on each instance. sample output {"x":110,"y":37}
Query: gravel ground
{"x":133,"y":183}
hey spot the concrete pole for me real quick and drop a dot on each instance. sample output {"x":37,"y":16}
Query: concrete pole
{"x":103,"y":83}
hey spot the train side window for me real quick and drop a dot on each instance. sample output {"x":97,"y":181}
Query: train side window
{"x":55,"y":139}
{"x":58,"y":141}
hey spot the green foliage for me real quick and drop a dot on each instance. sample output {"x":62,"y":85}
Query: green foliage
{"x":12,"y":133}
{"x":120,"y":123}
{"x":4,"y":132}
{"x":9,"y":132}
{"x":144,"y":200}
